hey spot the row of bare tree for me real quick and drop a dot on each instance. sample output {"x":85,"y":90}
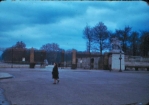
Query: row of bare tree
{"x":51,"y":51}
{"x":98,"y":39}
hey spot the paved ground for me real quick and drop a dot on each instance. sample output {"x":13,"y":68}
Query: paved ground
{"x":76,"y":87}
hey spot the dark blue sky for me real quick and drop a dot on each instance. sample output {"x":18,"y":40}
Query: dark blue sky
{"x":40,"y":22}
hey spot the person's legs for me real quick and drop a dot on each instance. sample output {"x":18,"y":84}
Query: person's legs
{"x":54,"y":81}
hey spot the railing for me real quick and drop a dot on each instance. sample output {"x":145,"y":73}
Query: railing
{"x":136,"y":62}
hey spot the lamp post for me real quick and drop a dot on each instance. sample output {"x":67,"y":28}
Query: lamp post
{"x":120,"y":60}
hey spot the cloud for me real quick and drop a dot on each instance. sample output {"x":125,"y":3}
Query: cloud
{"x":38,"y":23}
{"x":38,"y":13}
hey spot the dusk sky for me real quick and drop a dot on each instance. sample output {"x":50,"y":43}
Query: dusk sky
{"x":37,"y":23}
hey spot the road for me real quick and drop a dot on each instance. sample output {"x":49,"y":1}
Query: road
{"x":76,"y":87}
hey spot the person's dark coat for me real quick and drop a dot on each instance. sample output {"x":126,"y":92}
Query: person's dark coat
{"x":55,"y":73}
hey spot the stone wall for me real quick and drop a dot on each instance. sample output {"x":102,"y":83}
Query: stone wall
{"x":105,"y":62}
{"x":32,"y":55}
{"x":83,"y":63}
{"x":90,"y":63}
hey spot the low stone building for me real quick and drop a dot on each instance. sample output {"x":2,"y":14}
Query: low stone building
{"x":95,"y":61}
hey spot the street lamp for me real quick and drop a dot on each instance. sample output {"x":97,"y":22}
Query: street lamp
{"x":120,"y":60}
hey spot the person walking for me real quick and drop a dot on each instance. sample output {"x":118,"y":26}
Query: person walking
{"x":55,"y":74}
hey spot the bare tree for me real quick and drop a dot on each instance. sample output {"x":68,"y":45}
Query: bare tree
{"x":123,"y":35}
{"x":101,"y":36}
{"x":87,"y":34}
{"x":20,"y":44}
{"x":134,"y":43}
{"x":51,"y":51}
{"x":144,"y":46}
{"x":50,"y":47}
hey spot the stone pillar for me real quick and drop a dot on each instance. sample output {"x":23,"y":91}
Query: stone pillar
{"x":74,"y":65}
{"x":32,"y":63}
{"x":32,"y":55}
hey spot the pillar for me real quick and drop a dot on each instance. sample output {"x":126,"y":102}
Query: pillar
{"x":74,"y":65}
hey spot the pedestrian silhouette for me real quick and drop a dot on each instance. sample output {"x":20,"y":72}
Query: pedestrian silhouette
{"x":55,"y":74}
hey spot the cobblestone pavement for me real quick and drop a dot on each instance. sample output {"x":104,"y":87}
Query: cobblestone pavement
{"x":76,"y":87}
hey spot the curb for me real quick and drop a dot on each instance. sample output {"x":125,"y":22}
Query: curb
{"x":5,"y":75}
